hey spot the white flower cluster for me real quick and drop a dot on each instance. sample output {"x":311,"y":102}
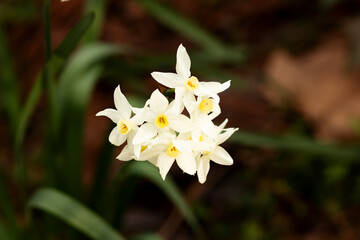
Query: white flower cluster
{"x":161,"y":133}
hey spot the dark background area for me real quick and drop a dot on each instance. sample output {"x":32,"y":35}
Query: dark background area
{"x":297,"y":78}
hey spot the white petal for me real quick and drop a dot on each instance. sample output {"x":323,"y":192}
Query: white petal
{"x":158,"y":102}
{"x":110,"y":113}
{"x":215,"y":111}
{"x":136,"y":149}
{"x":145,"y":132}
{"x":211,"y":89}
{"x":121,"y":103}
{"x":164,"y":163}
{"x":187,"y":163}
{"x":222,"y":125}
{"x":198,"y":146}
{"x":149,"y":115}
{"x":207,"y":88}
{"x":184,"y":146}
{"x":179,"y":92}
{"x":116,"y":137}
{"x":221,"y":156}
{"x":181,"y":123}
{"x":154,"y":161}
{"x":149,"y":154}
{"x":203,"y":168}
{"x":207,"y":126}
{"x":170,"y":80}
{"x":224,"y":136}
{"x":164,"y":138}
{"x":175,"y":107}
{"x":224,"y":86}
{"x":126,"y":154}
{"x":183,"y":62}
{"x":191,"y":104}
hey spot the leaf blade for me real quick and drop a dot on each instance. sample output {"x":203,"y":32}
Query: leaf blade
{"x":74,"y":213}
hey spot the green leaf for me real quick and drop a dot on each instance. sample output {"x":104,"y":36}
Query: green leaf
{"x":74,"y":36}
{"x":47,"y":29}
{"x":74,"y":213}
{"x":4,"y":234}
{"x":100,"y":180}
{"x":191,"y":30}
{"x":150,"y":172}
{"x":73,"y":92}
{"x":295,"y":144}
{"x":9,"y":95}
{"x":56,"y":62}
{"x":99,"y":8}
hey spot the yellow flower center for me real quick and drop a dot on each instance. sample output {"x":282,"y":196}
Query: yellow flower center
{"x":206,"y":152}
{"x":172,"y":151}
{"x":201,"y":138}
{"x":124,"y":127}
{"x":161,"y":121}
{"x":143,"y":148}
{"x":206,"y":105}
{"x":192,"y":83}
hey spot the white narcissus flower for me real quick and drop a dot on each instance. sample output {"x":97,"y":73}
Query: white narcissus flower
{"x":161,"y":134}
{"x":218,"y":154}
{"x":186,"y":85}
{"x":121,"y":116}
{"x":161,"y":116}
{"x":171,"y":149}
{"x":182,"y":78}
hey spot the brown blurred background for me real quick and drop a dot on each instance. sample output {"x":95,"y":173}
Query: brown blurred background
{"x":300,"y":75}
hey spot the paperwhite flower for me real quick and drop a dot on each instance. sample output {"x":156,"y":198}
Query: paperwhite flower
{"x":161,"y":134}
{"x":182,"y":78}
{"x":141,"y":152}
{"x":218,"y":154}
{"x":185,"y":85}
{"x":122,"y":117}
{"x":171,"y":149}
{"x":161,"y":116}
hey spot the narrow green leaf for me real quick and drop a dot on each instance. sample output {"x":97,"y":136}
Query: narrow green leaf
{"x":99,"y":8}
{"x":189,"y":29}
{"x":74,"y":89}
{"x":295,"y":144}
{"x":9,"y":95}
{"x":56,"y":62}
{"x":77,"y":66}
{"x":100,"y":179}
{"x":149,"y":171}
{"x":74,"y":213}
{"x":47,"y":28}
{"x":74,"y":36}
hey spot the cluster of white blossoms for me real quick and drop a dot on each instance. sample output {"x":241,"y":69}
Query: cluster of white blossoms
{"x":161,"y":133}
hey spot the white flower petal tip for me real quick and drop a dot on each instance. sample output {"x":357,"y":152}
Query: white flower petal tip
{"x":170,"y":80}
{"x":225,"y":85}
